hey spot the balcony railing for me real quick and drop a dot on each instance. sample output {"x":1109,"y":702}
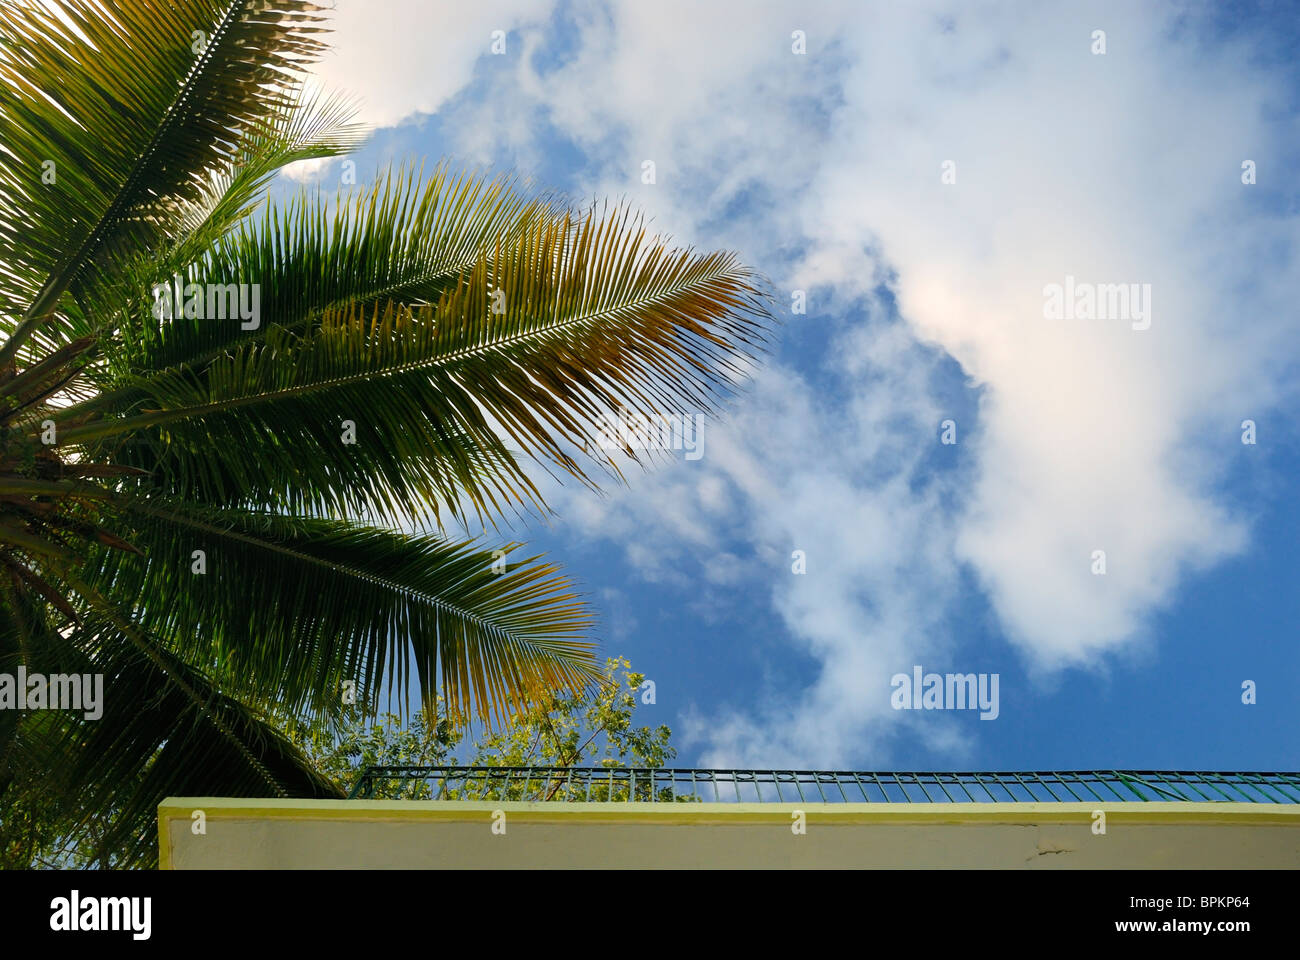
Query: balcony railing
{"x":675,"y":785}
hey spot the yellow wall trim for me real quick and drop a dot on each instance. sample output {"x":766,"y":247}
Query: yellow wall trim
{"x":176,"y":812}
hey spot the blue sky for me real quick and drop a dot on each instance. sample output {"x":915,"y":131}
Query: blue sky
{"x":823,"y":169}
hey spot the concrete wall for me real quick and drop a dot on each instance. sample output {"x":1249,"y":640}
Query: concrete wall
{"x":378,"y":834}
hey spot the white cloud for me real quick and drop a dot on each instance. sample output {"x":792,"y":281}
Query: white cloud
{"x":1091,"y":435}
{"x":308,"y":171}
{"x":406,"y":57}
{"x":1068,"y":163}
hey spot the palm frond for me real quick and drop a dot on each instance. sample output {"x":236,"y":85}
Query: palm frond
{"x":166,"y":730}
{"x":129,"y":106}
{"x":288,"y":609}
{"x":406,"y":239}
{"x":318,"y":125}
{"x":594,"y":319}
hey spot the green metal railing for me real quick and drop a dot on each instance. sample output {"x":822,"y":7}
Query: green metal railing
{"x":673,"y":785}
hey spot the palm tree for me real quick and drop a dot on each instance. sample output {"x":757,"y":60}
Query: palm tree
{"x":227,"y":512}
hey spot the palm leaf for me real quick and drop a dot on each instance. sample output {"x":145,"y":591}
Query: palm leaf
{"x":130,"y":135}
{"x":167,"y":730}
{"x":289,"y":609}
{"x":597,"y":318}
{"x":407,"y":240}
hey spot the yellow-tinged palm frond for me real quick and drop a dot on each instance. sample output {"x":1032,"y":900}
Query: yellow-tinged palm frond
{"x":595,"y":319}
{"x":406,"y":239}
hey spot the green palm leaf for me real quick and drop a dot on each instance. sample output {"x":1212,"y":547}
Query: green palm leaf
{"x":167,"y":730}
{"x":290,"y":609}
{"x":130,"y":104}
